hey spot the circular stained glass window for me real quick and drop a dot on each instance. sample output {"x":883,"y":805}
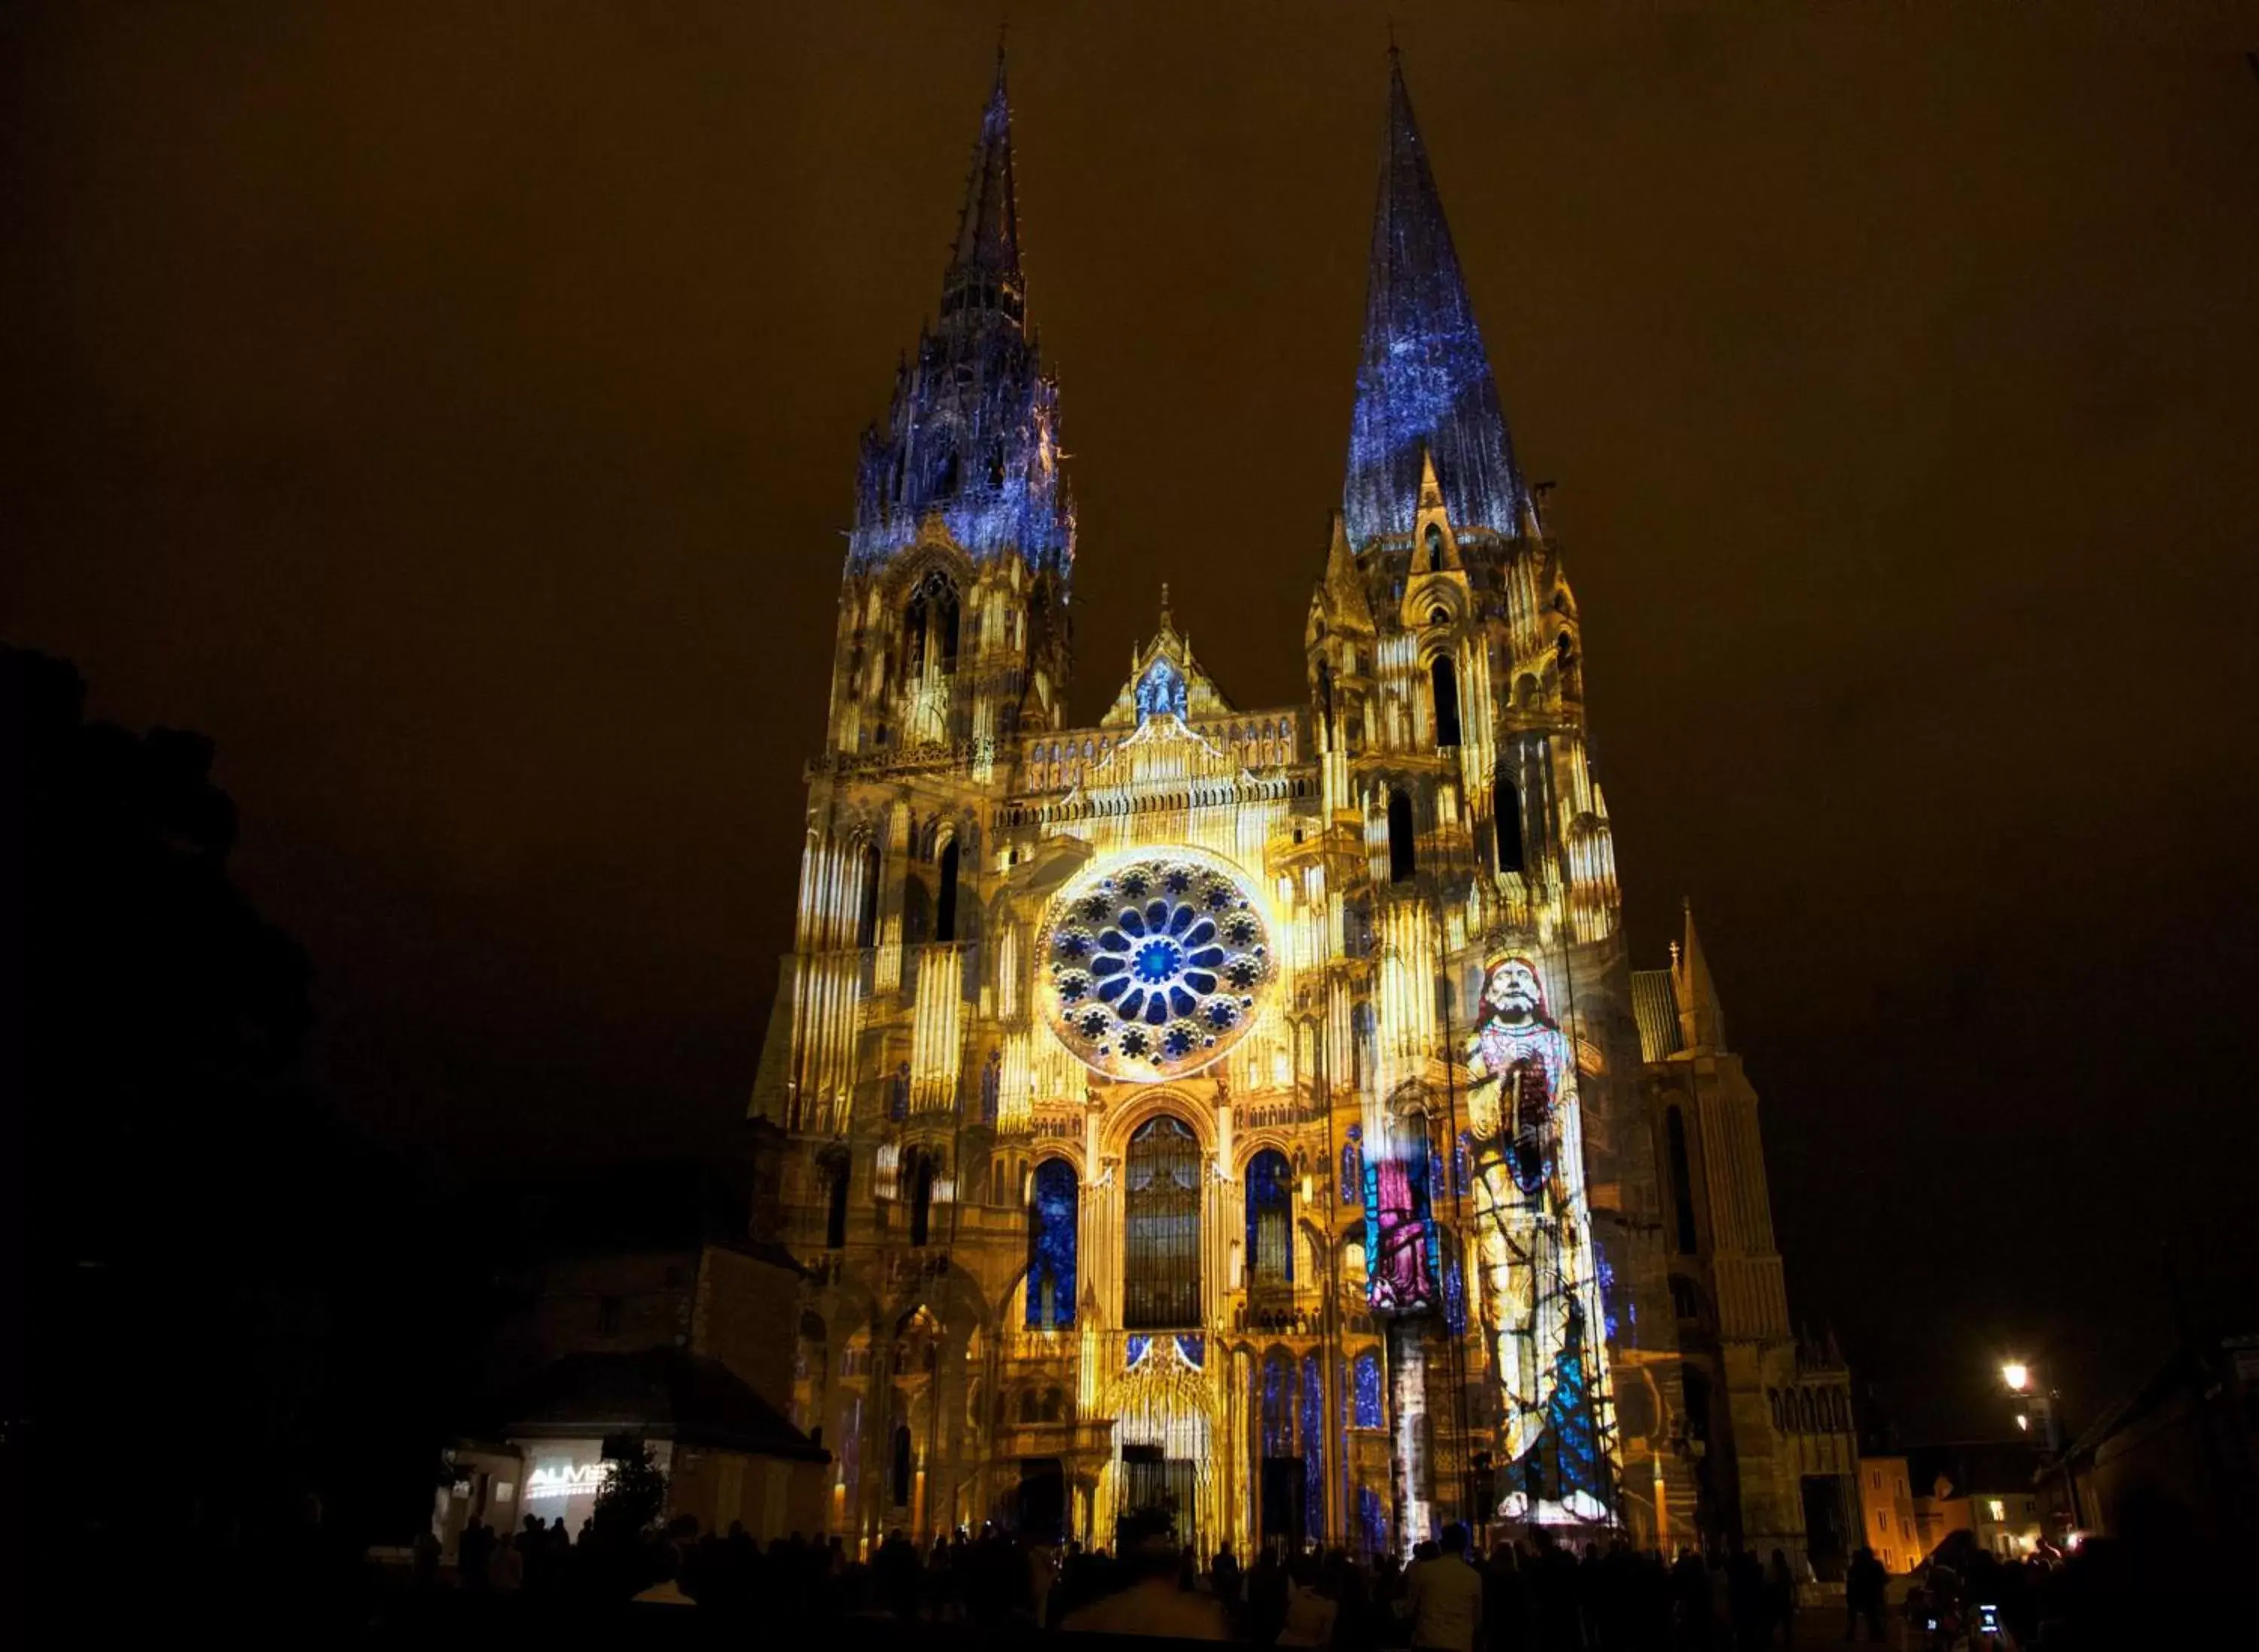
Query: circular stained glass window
{"x":1152,"y":967}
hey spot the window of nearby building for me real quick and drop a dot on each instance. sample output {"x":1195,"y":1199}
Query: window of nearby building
{"x":1996,"y":1508}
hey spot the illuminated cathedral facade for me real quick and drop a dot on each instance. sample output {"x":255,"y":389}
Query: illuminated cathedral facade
{"x":1233,"y":1110}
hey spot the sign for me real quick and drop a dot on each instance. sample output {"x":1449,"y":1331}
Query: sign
{"x":566,"y":1479}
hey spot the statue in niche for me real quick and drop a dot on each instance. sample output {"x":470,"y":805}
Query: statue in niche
{"x":1161,"y":691}
{"x":1539,"y":1274}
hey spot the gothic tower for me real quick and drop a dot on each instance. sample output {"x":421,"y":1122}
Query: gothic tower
{"x":1234,"y":1111}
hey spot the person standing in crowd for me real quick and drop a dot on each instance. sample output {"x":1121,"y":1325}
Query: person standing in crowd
{"x":1445,"y":1598}
{"x":1863,"y":1595}
{"x":1150,"y":1602}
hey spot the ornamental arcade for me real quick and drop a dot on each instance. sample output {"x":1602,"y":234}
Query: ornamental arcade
{"x":1233,"y":1111}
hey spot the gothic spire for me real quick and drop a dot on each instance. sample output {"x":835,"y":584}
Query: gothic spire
{"x":1701,"y":1021}
{"x":1424,"y":380}
{"x":988,"y":228}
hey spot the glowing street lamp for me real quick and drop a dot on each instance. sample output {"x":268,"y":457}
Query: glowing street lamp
{"x":2017,"y":1375}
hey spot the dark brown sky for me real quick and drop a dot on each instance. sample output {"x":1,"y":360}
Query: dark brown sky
{"x":453,"y":410}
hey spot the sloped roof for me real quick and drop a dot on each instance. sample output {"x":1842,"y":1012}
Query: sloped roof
{"x":1655,"y":1007}
{"x":668,"y":1393}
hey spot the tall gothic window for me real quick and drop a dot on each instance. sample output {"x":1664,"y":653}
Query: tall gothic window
{"x":1352,"y":1169}
{"x":1270,"y":1219}
{"x":902,"y":1465}
{"x":1682,"y":1179}
{"x":1051,"y":1219}
{"x":917,"y":1177}
{"x":866,"y":914}
{"x":929,"y":622}
{"x":1505,"y":821}
{"x":835,"y":1211}
{"x":917,"y":911}
{"x":1161,"y":1202}
{"x":1365,"y":1384}
{"x":944,"y":909}
{"x":1444,"y":678}
{"x":1402,"y":857}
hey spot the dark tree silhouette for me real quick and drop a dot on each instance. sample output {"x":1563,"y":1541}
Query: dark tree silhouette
{"x":237,"y":1315}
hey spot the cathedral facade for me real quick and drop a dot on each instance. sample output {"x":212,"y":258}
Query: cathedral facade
{"x":1238,"y":1111}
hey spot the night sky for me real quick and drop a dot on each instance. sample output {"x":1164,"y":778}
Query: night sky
{"x":451,"y":410}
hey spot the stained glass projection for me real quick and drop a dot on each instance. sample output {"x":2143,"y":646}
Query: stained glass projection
{"x":1154,"y":968}
{"x":1051,"y":1235}
{"x":1161,"y":1201}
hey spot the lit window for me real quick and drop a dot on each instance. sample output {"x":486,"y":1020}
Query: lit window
{"x":1998,"y":1510}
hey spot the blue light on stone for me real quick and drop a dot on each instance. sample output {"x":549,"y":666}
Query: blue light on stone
{"x":1424,"y":380}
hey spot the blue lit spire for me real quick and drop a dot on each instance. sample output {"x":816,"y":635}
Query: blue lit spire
{"x":1424,"y":380}
{"x":971,"y":435}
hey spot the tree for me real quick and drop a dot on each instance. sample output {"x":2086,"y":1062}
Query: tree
{"x":635,"y":1495}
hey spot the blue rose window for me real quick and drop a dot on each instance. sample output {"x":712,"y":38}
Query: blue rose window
{"x":1153,"y":967}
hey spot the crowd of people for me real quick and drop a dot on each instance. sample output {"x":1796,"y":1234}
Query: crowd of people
{"x":1531,"y":1594}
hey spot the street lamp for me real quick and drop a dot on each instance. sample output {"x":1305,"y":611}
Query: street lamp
{"x":2017,"y":1375}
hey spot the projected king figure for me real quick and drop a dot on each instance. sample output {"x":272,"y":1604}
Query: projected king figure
{"x":1538,"y":1273}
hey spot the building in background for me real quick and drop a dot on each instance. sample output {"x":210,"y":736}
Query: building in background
{"x":1768,"y":1414}
{"x":1238,"y":1111}
{"x":1887,"y":1524}
{"x":1985,"y":1488}
{"x":641,"y":1310}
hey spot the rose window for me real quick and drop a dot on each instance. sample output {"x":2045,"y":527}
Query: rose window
{"x":1152,"y":968}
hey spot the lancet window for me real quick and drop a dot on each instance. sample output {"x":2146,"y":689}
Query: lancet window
{"x":1161,"y":1282}
{"x":1052,"y":1218}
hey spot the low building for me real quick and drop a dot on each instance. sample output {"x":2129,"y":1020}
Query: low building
{"x":1886,"y":1515}
{"x":1985,"y":1488}
{"x":2172,"y":1470}
{"x":641,"y":1311}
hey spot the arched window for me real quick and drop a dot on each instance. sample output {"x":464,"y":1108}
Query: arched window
{"x":1403,"y":860}
{"x":867,"y":915}
{"x":1052,"y":1215}
{"x":1435,"y":545}
{"x":835,"y":1211}
{"x":929,"y":624}
{"x":1682,"y":1179}
{"x":944,"y":908}
{"x":1353,"y":1168}
{"x":1161,"y":1201}
{"x":1270,"y":1219}
{"x":1444,"y":678}
{"x":1364,"y":1386}
{"x":1325,"y":691}
{"x":1054,"y":1405}
{"x":1279,"y":1404}
{"x":1029,"y":1404}
{"x":1696,"y":1389}
{"x":992,"y":1086}
{"x":898,"y":1093}
{"x":918,"y":1174}
{"x":1362,"y":1033}
{"x":901,"y":1477}
{"x":1772,"y":1397}
{"x":917,"y":911}
{"x":1505,"y":821}
{"x":1686,"y":1301}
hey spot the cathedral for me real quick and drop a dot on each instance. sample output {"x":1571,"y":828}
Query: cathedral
{"x":1247,"y":1113}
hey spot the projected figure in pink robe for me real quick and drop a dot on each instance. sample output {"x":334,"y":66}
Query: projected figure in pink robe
{"x":1538,"y":1275}
{"x":1400,"y":1247}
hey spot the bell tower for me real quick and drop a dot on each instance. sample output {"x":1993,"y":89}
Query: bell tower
{"x":953,"y":610}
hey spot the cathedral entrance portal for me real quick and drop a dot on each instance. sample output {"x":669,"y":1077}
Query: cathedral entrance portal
{"x":1283,"y":1503}
{"x":1042,"y":1507}
{"x":1151,"y":1481}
